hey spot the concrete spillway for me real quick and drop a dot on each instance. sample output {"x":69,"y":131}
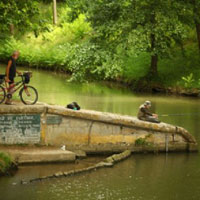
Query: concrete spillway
{"x":90,"y":131}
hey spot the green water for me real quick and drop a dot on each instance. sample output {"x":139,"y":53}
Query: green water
{"x":173,"y":176}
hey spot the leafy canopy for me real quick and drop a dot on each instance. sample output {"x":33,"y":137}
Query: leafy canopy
{"x":18,"y":13}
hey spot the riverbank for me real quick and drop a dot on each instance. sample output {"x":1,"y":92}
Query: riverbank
{"x":158,"y":88}
{"x":141,"y":87}
{"x":177,"y":75}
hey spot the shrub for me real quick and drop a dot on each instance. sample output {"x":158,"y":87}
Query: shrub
{"x":5,"y":162}
{"x":140,"y":142}
{"x":88,"y":61}
{"x":188,"y":80}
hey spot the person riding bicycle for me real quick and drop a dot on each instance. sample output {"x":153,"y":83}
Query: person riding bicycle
{"x":11,"y":73}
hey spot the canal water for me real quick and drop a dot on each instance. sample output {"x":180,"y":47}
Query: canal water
{"x":172,"y":176}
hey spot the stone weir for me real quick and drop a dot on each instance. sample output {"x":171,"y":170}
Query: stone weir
{"x":90,"y":131}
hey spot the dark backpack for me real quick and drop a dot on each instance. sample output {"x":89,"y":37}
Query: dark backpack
{"x":73,"y":106}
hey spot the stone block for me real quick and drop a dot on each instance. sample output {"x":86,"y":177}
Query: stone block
{"x":58,"y":174}
{"x":80,"y":123}
{"x":91,"y":168}
{"x":69,"y":173}
{"x":192,"y":147}
{"x":104,"y":164}
{"x":80,"y":153}
{"x":45,"y":156}
{"x":99,"y":128}
{"x":109,"y":159}
{"x":128,"y":131}
{"x":106,"y":139}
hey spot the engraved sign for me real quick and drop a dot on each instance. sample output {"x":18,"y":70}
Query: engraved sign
{"x":54,"y":119}
{"x":18,"y":129}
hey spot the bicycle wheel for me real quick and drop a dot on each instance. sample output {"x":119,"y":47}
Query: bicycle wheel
{"x":2,"y":94}
{"x":28,"y":95}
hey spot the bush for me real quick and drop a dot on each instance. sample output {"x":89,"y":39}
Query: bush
{"x":5,"y":162}
{"x":89,"y":62}
{"x":50,"y":49}
{"x":172,"y":70}
{"x":140,"y":142}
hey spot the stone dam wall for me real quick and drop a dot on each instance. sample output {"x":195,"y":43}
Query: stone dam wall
{"x":90,"y":131}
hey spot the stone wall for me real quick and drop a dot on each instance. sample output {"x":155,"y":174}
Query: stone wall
{"x":94,"y":132}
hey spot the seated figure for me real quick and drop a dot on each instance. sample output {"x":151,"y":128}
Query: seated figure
{"x":145,"y":114}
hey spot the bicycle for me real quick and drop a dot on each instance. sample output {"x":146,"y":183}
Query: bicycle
{"x":28,"y":94}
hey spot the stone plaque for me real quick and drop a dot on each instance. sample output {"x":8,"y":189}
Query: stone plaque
{"x":18,"y":129}
{"x":54,"y":119}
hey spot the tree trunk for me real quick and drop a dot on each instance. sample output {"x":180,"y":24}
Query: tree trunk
{"x":54,"y":12}
{"x":154,"y":58}
{"x":196,"y":20}
{"x":154,"y":65}
{"x":198,"y":33}
{"x":12,"y":28}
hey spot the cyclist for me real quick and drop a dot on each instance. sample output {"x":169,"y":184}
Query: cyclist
{"x":11,"y":73}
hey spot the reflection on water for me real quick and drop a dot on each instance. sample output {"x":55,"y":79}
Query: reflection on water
{"x":171,"y":176}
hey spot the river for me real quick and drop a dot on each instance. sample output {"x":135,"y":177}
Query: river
{"x":172,"y":176}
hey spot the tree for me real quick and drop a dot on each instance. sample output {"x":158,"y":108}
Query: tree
{"x":16,"y":13}
{"x":160,"y":26}
{"x":196,"y":14}
{"x":188,"y":12}
{"x":144,"y":25}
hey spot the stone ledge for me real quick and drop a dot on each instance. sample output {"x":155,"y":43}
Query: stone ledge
{"x":108,"y":118}
{"x":22,"y":109}
{"x":120,"y":120}
{"x":42,"y":156}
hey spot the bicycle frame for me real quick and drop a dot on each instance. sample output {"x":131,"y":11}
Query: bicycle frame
{"x":8,"y":87}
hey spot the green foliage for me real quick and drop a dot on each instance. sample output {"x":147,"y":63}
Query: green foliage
{"x":66,"y":48}
{"x":140,"y":25}
{"x":64,"y":13}
{"x":140,"y":142}
{"x":188,"y":80}
{"x":18,"y":13}
{"x":135,"y":66}
{"x":106,"y":40}
{"x":172,"y":70}
{"x":42,"y":22}
{"x":5,"y":162}
{"x":143,"y":141}
{"x":50,"y":49}
{"x":88,"y":62}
